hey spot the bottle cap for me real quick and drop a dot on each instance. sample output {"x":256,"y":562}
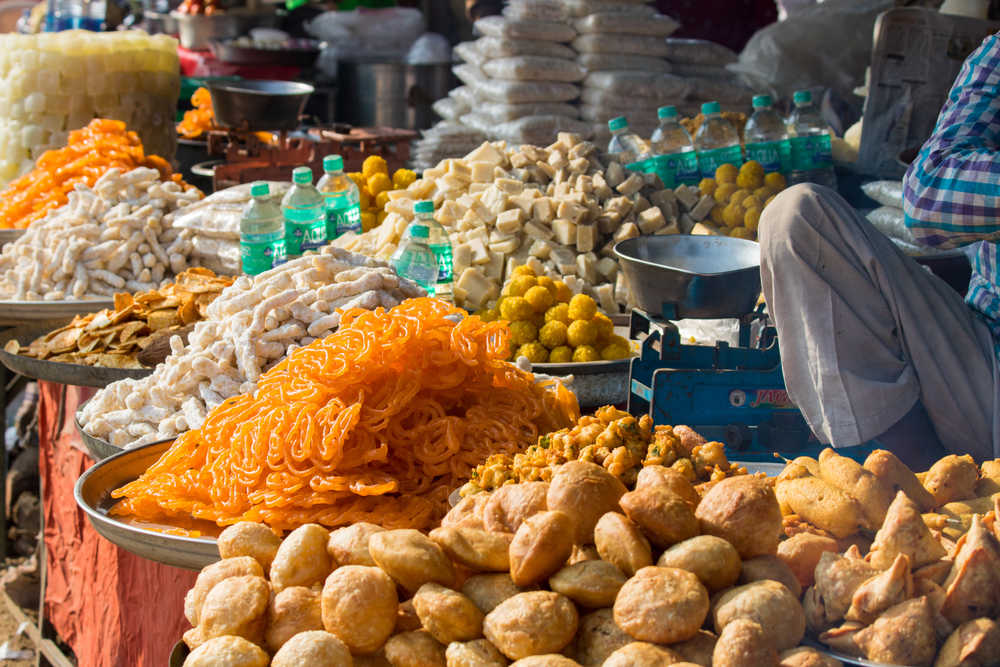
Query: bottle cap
{"x":302,"y":175}
{"x":802,"y":97}
{"x":333,"y":163}
{"x":424,"y":206}
{"x":666,"y":112}
{"x":760,"y":101}
{"x":710,"y":108}
{"x":259,"y":189}
{"x":619,"y":123}
{"x":419,"y":231}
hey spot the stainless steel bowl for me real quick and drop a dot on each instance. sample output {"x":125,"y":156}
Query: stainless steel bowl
{"x":259,"y":106}
{"x":197,"y":31}
{"x":692,"y":276}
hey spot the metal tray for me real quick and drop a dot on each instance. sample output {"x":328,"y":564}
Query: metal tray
{"x":586,"y":368}
{"x":16,"y":313}
{"x":681,"y":276}
{"x":57,"y":371}
{"x":846,"y":659}
{"x":93,"y":495}
{"x":8,"y":235}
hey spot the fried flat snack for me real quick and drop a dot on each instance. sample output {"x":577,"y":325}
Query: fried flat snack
{"x":712,"y":559}
{"x":768,"y":603}
{"x":744,"y":511}
{"x":952,"y":478}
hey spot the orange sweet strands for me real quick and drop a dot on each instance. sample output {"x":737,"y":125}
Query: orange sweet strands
{"x":90,"y":151}
{"x":377,"y":422}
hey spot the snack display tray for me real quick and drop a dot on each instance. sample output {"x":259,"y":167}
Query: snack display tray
{"x":846,"y":659}
{"x":93,"y":496}
{"x":15,"y":313}
{"x":57,"y":371}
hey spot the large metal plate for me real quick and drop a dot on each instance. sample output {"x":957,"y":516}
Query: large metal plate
{"x":98,"y":448}
{"x":587,"y":368}
{"x":57,"y":371}
{"x":16,"y":313}
{"x":769,"y":469}
{"x":93,"y":495}
{"x":8,"y":235}
{"x":846,"y":659}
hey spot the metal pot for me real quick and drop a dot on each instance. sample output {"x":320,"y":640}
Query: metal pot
{"x":391,"y":94}
{"x":197,"y":31}
{"x":258,"y":106}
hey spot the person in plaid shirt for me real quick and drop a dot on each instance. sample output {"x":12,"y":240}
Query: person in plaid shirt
{"x":873,"y":346}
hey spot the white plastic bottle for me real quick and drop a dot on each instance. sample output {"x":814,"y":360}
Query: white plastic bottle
{"x":262,"y":232}
{"x":672,"y":143}
{"x":305,"y":219}
{"x":415,"y":260}
{"x":717,"y":141}
{"x":341,"y":200}
{"x":625,"y":147}
{"x":766,"y":136}
{"x":809,"y":136}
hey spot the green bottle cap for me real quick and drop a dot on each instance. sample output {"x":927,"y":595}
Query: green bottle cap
{"x":302,"y":175}
{"x":802,"y":97}
{"x":420,"y":232}
{"x":761,"y":101}
{"x":619,"y":123}
{"x":259,"y":189}
{"x":424,"y":206}
{"x":666,"y":112}
{"x":710,"y":108}
{"x":333,"y":163}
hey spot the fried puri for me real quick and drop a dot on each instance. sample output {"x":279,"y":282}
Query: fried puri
{"x":586,"y":492}
{"x":235,"y":606}
{"x":591,"y":583}
{"x":541,"y":546}
{"x":664,"y":517}
{"x":316,"y":647}
{"x":597,"y":638}
{"x":477,"y":653}
{"x":248,"y":538}
{"x":302,"y":559}
{"x":533,"y":623}
{"x":414,"y":649}
{"x":897,"y":476}
{"x":670,"y":480}
{"x":743,"y":511}
{"x":768,"y":603}
{"x":744,"y":643}
{"x":806,"y":656}
{"x":661,"y":605}
{"x":239,"y":566}
{"x":349,"y":545}
{"x":620,"y":542}
{"x":360,"y":606}
{"x":227,"y":651}
{"x":411,"y":558}
{"x":468,"y":511}
{"x":821,"y":504}
{"x":406,"y":618}
{"x":642,"y":654}
{"x":952,"y":478}
{"x":712,"y":559}
{"x":478,"y":550}
{"x":511,"y":504}
{"x":448,"y":615}
{"x":549,"y":660}
{"x":698,"y":649}
{"x":801,"y":553}
{"x":770,"y":567}
{"x":489,"y":590}
{"x":293,"y":610}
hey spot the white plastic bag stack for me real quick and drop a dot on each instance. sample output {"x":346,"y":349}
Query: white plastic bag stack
{"x":621,"y":47}
{"x":447,"y":139}
{"x":702,"y":64}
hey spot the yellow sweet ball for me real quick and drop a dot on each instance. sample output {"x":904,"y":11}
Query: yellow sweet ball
{"x":615,"y":351}
{"x":742,"y":233}
{"x":523,"y":270}
{"x":538,"y":319}
{"x":715,"y":215}
{"x":540,"y":298}
{"x":581,"y":332}
{"x":561,"y":355}
{"x":751,"y":219}
{"x":751,"y":175}
{"x":582,"y":307}
{"x":738,"y":196}
{"x":586,"y":353}
{"x":403,"y":178}
{"x":558,"y":313}
{"x":563,"y":292}
{"x":489,"y":315}
{"x":358,"y":178}
{"x":522,"y":332}
{"x":775,"y":181}
{"x":365,"y":200}
{"x":733,"y":215}
{"x":379,"y":183}
{"x":707,"y":186}
{"x":724,"y":192}
{"x":381,"y":199}
{"x":548,"y":284}
{"x":519,"y":285}
{"x":553,"y":334}
{"x":368,"y":221}
{"x":726,"y":173}
{"x":763,"y":193}
{"x":515,"y":308}
{"x":374,"y":164}
{"x":605,"y":327}
{"x":618,"y":340}
{"x":535,"y":353}
{"x":752,"y":202}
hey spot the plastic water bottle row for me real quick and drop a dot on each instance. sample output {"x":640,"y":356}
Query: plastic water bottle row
{"x":798,"y":147}
{"x":307,"y":218}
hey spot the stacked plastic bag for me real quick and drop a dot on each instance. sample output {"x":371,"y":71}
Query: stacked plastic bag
{"x":446,"y":139}
{"x":702,"y":65}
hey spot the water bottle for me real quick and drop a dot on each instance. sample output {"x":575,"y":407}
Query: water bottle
{"x":672,"y":144}
{"x":342,"y":202}
{"x":625,"y":147}
{"x":305,"y":219}
{"x":766,"y":136}
{"x":440,"y":245}
{"x":812,"y":155}
{"x":262,"y":232}
{"x":716,"y":142}
{"x":415,"y":260}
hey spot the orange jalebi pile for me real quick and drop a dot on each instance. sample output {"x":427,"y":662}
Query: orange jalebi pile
{"x":378,"y":422}
{"x":199,"y":120}
{"x":89,"y":152}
